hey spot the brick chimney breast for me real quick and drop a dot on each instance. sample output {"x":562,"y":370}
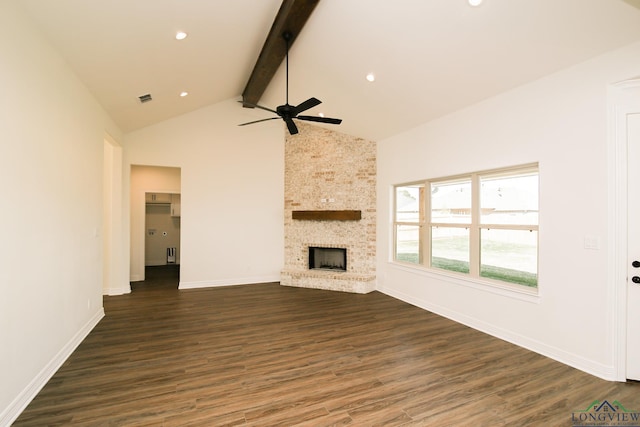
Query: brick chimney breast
{"x":334,"y":174}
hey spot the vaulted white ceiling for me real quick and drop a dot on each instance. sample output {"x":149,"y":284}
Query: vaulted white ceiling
{"x":430,"y":57}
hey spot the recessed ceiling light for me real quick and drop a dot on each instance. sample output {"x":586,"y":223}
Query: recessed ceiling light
{"x":321,"y":114}
{"x":183,"y":94}
{"x":475,"y":2}
{"x":371,"y":77}
{"x":180,"y":35}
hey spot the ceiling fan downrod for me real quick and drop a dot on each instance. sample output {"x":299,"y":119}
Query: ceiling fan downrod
{"x":287,"y":36}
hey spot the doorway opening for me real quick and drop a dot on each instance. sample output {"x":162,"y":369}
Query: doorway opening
{"x":155,"y":218}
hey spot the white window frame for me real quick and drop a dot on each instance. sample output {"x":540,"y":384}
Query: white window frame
{"x":475,"y":226}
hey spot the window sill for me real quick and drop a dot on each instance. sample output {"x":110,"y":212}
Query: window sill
{"x":512,"y":291}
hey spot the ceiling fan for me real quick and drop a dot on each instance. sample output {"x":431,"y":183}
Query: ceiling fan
{"x":289,"y":112}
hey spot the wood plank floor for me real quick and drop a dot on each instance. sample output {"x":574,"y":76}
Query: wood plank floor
{"x":268,"y":355}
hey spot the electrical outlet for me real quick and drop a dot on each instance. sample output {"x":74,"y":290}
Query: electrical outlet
{"x":592,"y":242}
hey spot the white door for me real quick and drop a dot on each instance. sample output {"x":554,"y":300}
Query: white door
{"x":633,"y":250}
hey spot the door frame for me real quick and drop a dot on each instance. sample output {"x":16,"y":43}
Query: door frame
{"x":154,"y":181}
{"x":620,"y":105}
{"x":115,"y":280}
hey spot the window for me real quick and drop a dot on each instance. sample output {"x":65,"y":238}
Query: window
{"x":483,"y":225}
{"x":409,"y":219}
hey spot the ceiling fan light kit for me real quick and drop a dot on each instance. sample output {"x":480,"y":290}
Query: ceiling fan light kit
{"x":289,"y":112}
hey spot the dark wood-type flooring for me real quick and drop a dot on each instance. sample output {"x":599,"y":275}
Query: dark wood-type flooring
{"x":268,"y":355}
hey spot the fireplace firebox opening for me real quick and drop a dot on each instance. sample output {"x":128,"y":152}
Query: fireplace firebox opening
{"x":334,"y":259}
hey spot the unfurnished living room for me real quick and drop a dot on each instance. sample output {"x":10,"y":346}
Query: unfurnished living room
{"x":320,"y":212}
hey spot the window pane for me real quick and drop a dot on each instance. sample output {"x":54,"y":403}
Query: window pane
{"x":408,"y":243}
{"x":451,"y":202}
{"x":409,"y":203}
{"x":510,"y":256}
{"x":509,"y":200}
{"x":450,"y":248}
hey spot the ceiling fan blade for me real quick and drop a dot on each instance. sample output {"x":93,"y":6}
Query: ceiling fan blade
{"x":304,"y":106}
{"x":320,"y":119}
{"x":258,"y":121}
{"x":257,"y":106}
{"x":293,"y":129}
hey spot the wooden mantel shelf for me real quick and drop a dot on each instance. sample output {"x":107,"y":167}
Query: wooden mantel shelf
{"x":327,"y":215}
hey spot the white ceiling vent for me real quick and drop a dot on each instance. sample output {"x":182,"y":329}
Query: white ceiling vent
{"x":145,"y":98}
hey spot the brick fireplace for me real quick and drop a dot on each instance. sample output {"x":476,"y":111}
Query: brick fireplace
{"x":330,"y":202}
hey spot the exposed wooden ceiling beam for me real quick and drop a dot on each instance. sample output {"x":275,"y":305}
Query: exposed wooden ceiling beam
{"x":291,"y":17}
{"x":634,"y":3}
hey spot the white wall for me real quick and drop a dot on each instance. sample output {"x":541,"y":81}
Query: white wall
{"x":561,"y":122}
{"x":232,"y":191}
{"x":51,"y":248}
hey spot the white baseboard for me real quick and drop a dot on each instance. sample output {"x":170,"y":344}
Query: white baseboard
{"x":589,"y":366}
{"x":13,"y":411}
{"x":117,"y":291}
{"x":229,"y":282}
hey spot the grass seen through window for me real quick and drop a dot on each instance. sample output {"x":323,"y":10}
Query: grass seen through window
{"x":490,"y":272}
